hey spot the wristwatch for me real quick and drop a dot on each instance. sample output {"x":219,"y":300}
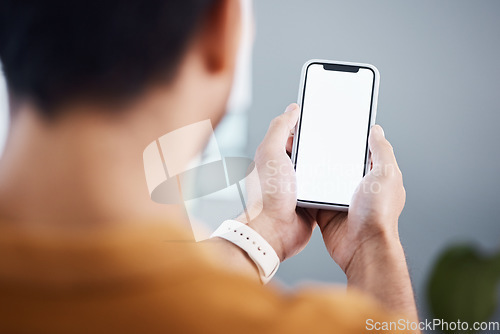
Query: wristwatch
{"x":257,"y":248}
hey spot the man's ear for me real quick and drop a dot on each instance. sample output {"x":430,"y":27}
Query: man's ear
{"x":220,"y":35}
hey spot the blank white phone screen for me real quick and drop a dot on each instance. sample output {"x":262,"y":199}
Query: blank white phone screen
{"x":332,"y":142}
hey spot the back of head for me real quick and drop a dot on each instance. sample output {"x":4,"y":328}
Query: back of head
{"x":56,"y":51}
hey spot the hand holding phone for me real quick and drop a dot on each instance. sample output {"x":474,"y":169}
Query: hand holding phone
{"x":364,"y":242}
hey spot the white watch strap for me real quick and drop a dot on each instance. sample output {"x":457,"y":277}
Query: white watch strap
{"x":257,"y":248}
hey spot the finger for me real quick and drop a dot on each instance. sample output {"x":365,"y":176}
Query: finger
{"x":307,"y":216}
{"x":289,"y":143}
{"x":380,"y":148}
{"x":329,"y":218}
{"x":280,"y":127}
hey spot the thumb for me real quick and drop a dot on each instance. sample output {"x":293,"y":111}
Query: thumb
{"x":280,"y":127}
{"x":380,"y":148}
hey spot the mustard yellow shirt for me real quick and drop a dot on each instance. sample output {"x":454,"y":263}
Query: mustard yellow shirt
{"x":152,"y":279}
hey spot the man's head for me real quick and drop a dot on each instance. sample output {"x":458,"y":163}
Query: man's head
{"x":61,"y":53}
{"x":91,"y":84}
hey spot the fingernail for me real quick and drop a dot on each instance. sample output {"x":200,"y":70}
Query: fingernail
{"x":291,"y":107}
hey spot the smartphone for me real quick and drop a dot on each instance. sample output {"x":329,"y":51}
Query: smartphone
{"x":338,"y":102}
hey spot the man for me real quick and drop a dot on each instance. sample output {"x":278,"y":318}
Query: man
{"x":82,"y":246}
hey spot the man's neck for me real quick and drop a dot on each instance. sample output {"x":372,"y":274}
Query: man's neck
{"x":77,"y":172}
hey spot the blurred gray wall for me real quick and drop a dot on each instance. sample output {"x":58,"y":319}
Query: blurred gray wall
{"x":439,"y":105}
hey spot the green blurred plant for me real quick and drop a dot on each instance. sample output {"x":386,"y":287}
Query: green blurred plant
{"x":463,"y":284}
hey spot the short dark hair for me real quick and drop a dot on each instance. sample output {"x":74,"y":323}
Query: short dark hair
{"x":57,"y":50}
